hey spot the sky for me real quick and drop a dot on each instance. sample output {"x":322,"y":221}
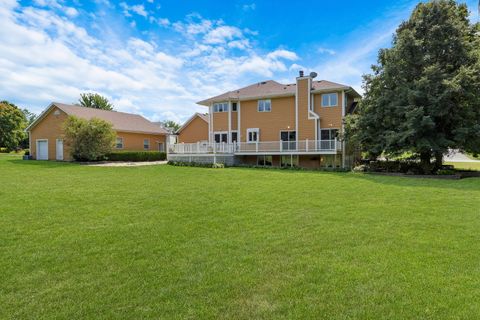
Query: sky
{"x":159,"y":57}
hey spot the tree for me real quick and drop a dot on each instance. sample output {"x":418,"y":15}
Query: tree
{"x":423,"y":94}
{"x":12,"y":126}
{"x":88,"y":140}
{"x":94,"y":100}
{"x":172,"y":125}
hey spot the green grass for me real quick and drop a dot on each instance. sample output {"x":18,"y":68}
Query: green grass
{"x":466,"y":165}
{"x":194,"y":243}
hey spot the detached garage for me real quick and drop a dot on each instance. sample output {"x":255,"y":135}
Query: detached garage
{"x":134,"y":132}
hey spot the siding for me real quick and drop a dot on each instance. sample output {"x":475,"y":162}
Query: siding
{"x":330,"y":117}
{"x":220,"y":121}
{"x":50,"y":127}
{"x":306,"y":127}
{"x":134,"y":141}
{"x":282,"y":117}
{"x":195,"y":131}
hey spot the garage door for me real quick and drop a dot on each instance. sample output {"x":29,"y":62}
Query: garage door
{"x":42,"y":149}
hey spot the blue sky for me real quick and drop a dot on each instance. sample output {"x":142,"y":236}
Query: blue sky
{"x":158,"y":57}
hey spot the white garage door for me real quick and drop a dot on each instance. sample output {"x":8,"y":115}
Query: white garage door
{"x":42,"y":149}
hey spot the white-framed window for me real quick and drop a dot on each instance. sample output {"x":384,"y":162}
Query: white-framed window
{"x":264,"y":105}
{"x":253,"y":135}
{"x":119,"y":143}
{"x":329,"y":99}
{"x":146,"y":144}
{"x":220,"y":107}
{"x":220,"y":136}
{"x":234,"y":106}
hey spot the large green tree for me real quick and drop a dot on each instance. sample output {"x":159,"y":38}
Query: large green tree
{"x":423,"y":95}
{"x":94,"y":100}
{"x":12,"y":126}
{"x":88,"y":140}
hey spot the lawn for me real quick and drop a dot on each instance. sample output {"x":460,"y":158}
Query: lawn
{"x":466,"y":165}
{"x":194,"y":243}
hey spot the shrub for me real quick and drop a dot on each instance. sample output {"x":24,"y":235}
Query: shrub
{"x":26,"y":152}
{"x":136,"y":156}
{"x":196,"y":164}
{"x":4,"y":150}
{"x":360,"y":168}
{"x":89,"y":140}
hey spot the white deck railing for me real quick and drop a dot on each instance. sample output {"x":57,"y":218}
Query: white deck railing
{"x":302,"y":146}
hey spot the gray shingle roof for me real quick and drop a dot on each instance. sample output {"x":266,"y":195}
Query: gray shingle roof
{"x":121,"y":121}
{"x":270,"y":88}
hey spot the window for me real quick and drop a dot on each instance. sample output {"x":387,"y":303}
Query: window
{"x":234,"y":136}
{"x":234,"y":106}
{"x":220,"y":107}
{"x":119,"y":143}
{"x":329,"y":100}
{"x":264,"y":105}
{"x":253,"y":135}
{"x":146,"y":144}
{"x":220,"y":137}
{"x":264,"y":161}
{"x":289,"y":140}
{"x":289,"y":161}
{"x":328,"y":134}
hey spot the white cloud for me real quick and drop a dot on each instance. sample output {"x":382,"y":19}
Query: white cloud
{"x":71,"y":12}
{"x":47,"y":57}
{"x":139,"y":9}
{"x":222,"y":34}
{"x":326,"y":50}
{"x":248,"y":7}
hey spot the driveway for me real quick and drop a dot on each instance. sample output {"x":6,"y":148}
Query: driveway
{"x":457,"y":156}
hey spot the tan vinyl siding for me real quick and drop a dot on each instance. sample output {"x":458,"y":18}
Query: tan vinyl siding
{"x":234,"y":120}
{"x":50,"y":127}
{"x":282,"y":117}
{"x":220,"y":121}
{"x":330,"y":117}
{"x":134,"y":141}
{"x":195,"y":131}
{"x":306,"y":127}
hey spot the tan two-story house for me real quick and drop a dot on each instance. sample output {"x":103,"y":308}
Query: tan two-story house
{"x":274,"y":124}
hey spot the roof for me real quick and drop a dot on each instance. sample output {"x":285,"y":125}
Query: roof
{"x":202,"y":116}
{"x":121,"y":121}
{"x":272,"y":88}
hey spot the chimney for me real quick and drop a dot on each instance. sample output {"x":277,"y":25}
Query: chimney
{"x":300,"y":73}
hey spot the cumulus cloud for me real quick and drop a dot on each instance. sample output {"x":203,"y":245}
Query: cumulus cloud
{"x":138,"y":9}
{"x":48,"y":57}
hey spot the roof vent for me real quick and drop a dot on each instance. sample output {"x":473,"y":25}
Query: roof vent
{"x":300,"y":73}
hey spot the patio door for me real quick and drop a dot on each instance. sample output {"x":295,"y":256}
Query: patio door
{"x":289,"y":140}
{"x":221,"y":137}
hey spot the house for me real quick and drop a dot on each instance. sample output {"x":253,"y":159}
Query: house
{"x":134,"y":132}
{"x":274,"y":124}
{"x":194,"y":129}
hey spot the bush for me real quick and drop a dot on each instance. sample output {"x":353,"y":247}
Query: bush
{"x":196,"y":164}
{"x":4,"y":150}
{"x":136,"y":156}
{"x":89,"y":140}
{"x":26,"y":152}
